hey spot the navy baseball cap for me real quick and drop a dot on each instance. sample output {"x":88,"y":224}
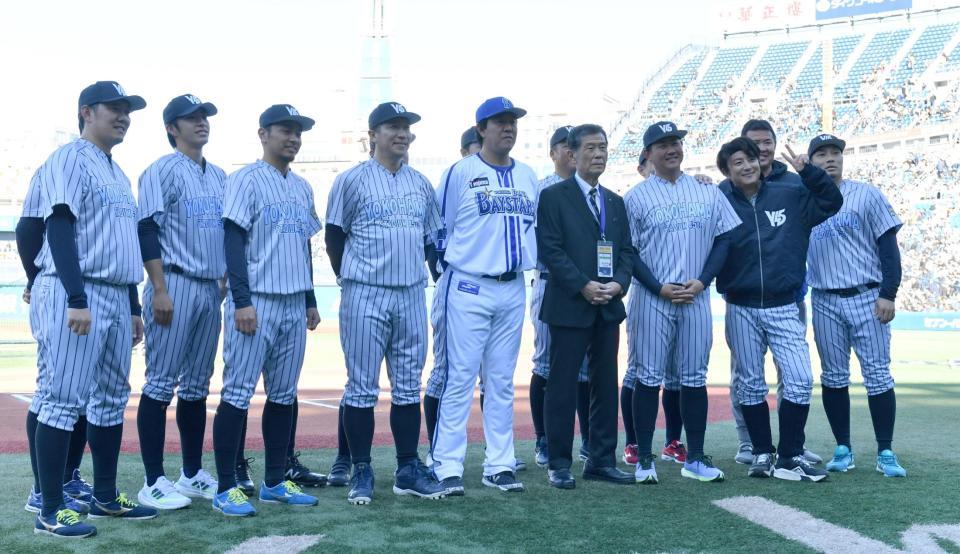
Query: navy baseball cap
{"x":469,"y":137}
{"x":281,"y":113}
{"x":108,"y":91}
{"x":643,"y":159}
{"x":661,"y":130}
{"x":560,"y":135}
{"x":820,"y":141}
{"x":496,"y":106}
{"x":184,"y":105}
{"x":390,"y":110}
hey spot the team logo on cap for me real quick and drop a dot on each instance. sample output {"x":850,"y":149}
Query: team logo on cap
{"x":826,"y":137}
{"x":507,"y":104}
{"x":398,"y":108}
{"x":192,"y":99}
{"x":666,"y":128}
{"x":291,"y":110}
{"x":120,"y":90}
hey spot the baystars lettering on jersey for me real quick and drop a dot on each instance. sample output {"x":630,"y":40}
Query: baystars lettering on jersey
{"x":488,"y":215}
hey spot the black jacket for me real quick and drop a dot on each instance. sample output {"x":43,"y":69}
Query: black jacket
{"x":567,"y":235}
{"x":768,"y":252}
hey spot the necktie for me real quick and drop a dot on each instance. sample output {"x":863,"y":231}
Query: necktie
{"x":593,"y":203}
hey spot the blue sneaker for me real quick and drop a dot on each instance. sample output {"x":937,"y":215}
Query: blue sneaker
{"x":286,"y":492}
{"x":701,"y":470}
{"x":415,"y":479}
{"x":35,"y":504}
{"x":65,"y":524}
{"x":888,"y":465}
{"x":120,"y":508}
{"x":233,"y":502}
{"x":842,"y":459}
{"x":78,"y":489}
{"x":543,"y":455}
{"x":361,"y":491}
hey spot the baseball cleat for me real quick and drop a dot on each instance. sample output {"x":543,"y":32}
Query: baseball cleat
{"x":505,"y":481}
{"x":243,"y":476}
{"x":120,"y":508}
{"x":674,"y":451}
{"x":301,"y":474}
{"x":701,"y":470}
{"x":798,"y":468}
{"x":630,"y":455}
{"x":812,"y":457}
{"x":64,"y":524}
{"x":286,"y":492}
{"x":744,"y":454}
{"x":762,"y":466}
{"x":542,"y":454}
{"x":233,"y":503}
{"x":414,"y":479}
{"x":201,"y":485}
{"x":35,"y":504}
{"x":361,"y":490}
{"x":889,"y":466}
{"x":520,"y":465}
{"x":646,"y":472}
{"x":842,"y":459}
{"x":162,"y":495}
{"x":339,"y":475}
{"x":78,"y":489}
{"x":453,"y":486}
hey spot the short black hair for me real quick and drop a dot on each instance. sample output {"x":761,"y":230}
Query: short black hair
{"x":739,"y":144}
{"x":758,"y":125}
{"x":575,"y":138}
{"x":170,"y":138}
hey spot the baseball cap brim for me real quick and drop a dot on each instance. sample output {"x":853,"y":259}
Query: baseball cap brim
{"x":304,"y":122}
{"x":839,"y":143}
{"x":409,"y":117}
{"x":517,"y":112}
{"x":678,"y":133}
{"x":135,"y":102}
{"x":207,"y":108}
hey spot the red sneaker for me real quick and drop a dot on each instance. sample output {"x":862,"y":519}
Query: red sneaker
{"x":630,"y":456}
{"x":675,"y":452}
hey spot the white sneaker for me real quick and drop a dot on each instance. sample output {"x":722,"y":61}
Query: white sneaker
{"x":162,"y":496}
{"x":201,"y":485}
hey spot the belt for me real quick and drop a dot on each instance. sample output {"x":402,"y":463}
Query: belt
{"x":173,"y":268}
{"x":852,"y":291}
{"x":503,"y":277}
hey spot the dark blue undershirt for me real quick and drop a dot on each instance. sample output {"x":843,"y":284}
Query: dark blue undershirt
{"x":890,"y":270}
{"x":29,"y":242}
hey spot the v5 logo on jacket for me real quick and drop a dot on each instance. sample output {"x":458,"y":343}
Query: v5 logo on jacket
{"x":776,"y":218}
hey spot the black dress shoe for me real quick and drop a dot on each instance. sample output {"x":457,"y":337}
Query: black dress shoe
{"x":561,"y":478}
{"x":608,"y":474}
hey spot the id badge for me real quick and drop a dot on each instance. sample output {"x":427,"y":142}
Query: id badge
{"x":604,"y":258}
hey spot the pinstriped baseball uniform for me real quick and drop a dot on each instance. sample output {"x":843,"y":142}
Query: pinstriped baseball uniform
{"x":279,"y":215}
{"x":98,"y":194}
{"x":843,"y":254}
{"x":673,"y":227}
{"x":541,"y":331}
{"x":186,"y":201}
{"x":383,"y":312}
{"x":33,"y":207}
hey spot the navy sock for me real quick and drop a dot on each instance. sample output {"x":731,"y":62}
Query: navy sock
{"x":32,"y":444}
{"x":626,"y":406}
{"x":228,"y":425}
{"x":538,"y":392}
{"x":672,"y":415}
{"x":431,"y":408}
{"x":276,"y":436}
{"x":757,"y":419}
{"x":645,"y":407}
{"x":358,"y":424}
{"x":836,"y":403}
{"x":52,"y":445}
{"x":883,"y":412}
{"x":693,"y":407}
{"x":78,"y":442}
{"x":105,"y":452}
{"x":583,"y":410}
{"x":793,"y":419}
{"x":152,"y":427}
{"x":405,"y":425}
{"x":343,"y":449}
{"x":241,"y":446}
{"x":295,"y":415}
{"x":192,"y":423}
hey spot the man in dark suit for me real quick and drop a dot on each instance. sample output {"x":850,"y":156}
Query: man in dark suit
{"x":583,"y":239}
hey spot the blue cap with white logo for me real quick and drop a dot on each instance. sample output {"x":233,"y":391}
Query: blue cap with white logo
{"x":496,"y":106}
{"x":390,"y":110}
{"x":819,"y":141}
{"x":560,"y":135}
{"x":282,"y":113}
{"x":108,"y":91}
{"x":661,"y":130}
{"x":184,"y":105}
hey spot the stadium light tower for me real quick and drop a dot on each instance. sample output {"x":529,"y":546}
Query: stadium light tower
{"x":376,"y":75}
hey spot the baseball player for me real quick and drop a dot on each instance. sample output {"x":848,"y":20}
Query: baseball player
{"x":564,"y":165}
{"x":29,"y":234}
{"x":469,"y":142}
{"x":759,"y":280}
{"x":268,"y":219}
{"x":488,"y":207}
{"x":854,"y":270}
{"x":679,"y":229}
{"x":181,"y":233}
{"x":774,"y":171}
{"x":89,"y":318}
{"x":380,"y":215}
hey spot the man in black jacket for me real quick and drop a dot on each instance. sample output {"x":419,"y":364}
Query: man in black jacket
{"x":583,"y":239}
{"x":764,"y":269}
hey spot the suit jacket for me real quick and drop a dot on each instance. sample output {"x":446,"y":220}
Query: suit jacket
{"x":567,"y":235}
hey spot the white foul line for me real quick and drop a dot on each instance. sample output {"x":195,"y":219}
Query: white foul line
{"x":275,"y":543}
{"x":320,"y":404}
{"x":23,"y":397}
